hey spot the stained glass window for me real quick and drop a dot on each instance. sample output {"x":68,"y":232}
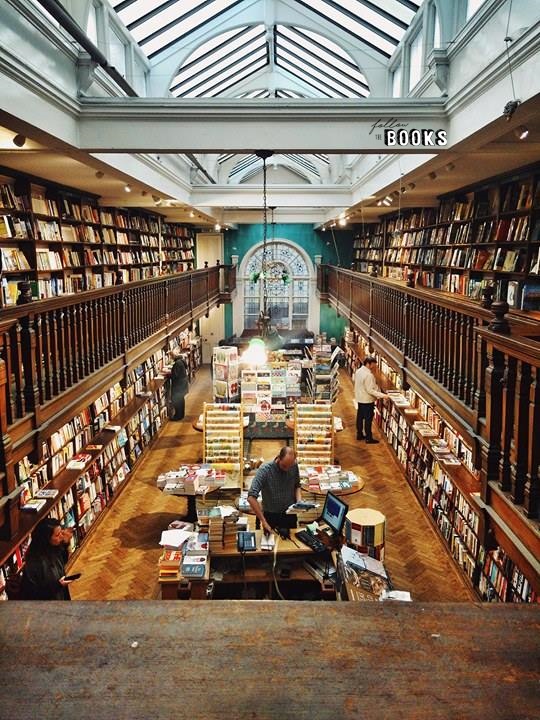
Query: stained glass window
{"x":287,"y":301}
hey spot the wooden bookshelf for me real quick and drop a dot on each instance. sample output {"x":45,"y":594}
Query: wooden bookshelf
{"x":449,"y":493}
{"x":137,"y":409}
{"x":84,"y":494}
{"x":63,"y":242}
{"x":368,"y":248}
{"x":480,"y":236}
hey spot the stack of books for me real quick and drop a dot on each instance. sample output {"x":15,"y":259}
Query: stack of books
{"x":424,"y":429}
{"x":169,"y":565}
{"x":187,"y":480}
{"x":215,"y":527}
{"x":327,"y":477}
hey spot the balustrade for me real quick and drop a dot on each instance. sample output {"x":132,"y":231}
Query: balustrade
{"x":488,"y":379}
{"x":50,"y":346}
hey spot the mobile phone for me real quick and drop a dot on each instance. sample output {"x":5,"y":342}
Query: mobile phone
{"x":76,"y":576}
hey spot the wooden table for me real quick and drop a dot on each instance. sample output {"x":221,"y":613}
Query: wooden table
{"x":346,"y":661}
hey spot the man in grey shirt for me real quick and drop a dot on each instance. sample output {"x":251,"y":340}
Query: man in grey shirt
{"x":279,"y":483}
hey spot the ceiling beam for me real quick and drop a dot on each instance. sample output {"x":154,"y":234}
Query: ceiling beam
{"x":218,"y":125}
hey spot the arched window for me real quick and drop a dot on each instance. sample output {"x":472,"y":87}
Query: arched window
{"x":287,"y":287}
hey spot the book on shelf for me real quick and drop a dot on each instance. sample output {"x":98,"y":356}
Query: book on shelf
{"x":530,"y":296}
{"x":34,"y":505}
{"x":47,"y":493}
{"x":13,"y":259}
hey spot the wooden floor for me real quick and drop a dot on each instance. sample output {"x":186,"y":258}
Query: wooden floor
{"x":119,"y":560}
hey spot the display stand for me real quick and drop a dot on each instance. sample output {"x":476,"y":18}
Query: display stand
{"x":225,"y":374}
{"x":223,"y":435}
{"x":365,"y":531}
{"x":314,"y":434}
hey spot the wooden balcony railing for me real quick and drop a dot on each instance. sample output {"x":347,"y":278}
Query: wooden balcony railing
{"x":50,"y":347}
{"x":487,"y":383}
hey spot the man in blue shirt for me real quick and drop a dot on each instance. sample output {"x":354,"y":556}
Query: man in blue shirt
{"x":279,"y":483}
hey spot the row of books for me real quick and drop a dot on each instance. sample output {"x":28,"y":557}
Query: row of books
{"x":428,"y":449}
{"x":497,"y":258}
{"x":15,"y":227}
{"x":98,"y":477}
{"x":502,"y":581}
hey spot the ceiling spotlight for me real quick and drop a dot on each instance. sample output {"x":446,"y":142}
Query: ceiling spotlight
{"x":19,"y":140}
{"x":156,"y":198}
{"x":342,"y":221}
{"x":127,"y":188}
{"x":432,"y":175}
{"x":386,"y":202}
{"x":403,"y":189}
{"x":521,"y":132}
{"x":192,"y":214}
{"x":144,"y":193}
{"x":510,"y":108}
{"x":323,"y":228}
{"x":411,"y":186}
{"x":99,"y":174}
{"x":449,"y":167}
{"x":217,"y":227}
{"x":379,"y":203}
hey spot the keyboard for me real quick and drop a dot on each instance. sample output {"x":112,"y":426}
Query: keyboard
{"x":311,"y":541}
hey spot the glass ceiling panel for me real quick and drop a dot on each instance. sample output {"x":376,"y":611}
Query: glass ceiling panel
{"x":219,"y":40}
{"x":319,"y":47}
{"x":323,"y":66}
{"x":247,"y":48}
{"x":289,"y":94}
{"x":364,"y":20}
{"x":311,"y":73}
{"x":255,"y":94}
{"x":161,"y":27}
{"x":157,"y":24}
{"x":247,"y":67}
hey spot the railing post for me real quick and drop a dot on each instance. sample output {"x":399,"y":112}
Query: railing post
{"x":491,"y":452}
{"x":519,"y":449}
{"x":531,"y":491}
{"x":7,"y":472}
{"x":28,"y":349}
{"x":508,"y":383}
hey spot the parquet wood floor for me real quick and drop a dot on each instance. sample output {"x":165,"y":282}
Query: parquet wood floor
{"x":119,"y":561}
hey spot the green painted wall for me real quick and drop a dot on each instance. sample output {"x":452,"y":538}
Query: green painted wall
{"x":242,"y":240}
{"x":314,"y":242}
{"x":331,"y":324}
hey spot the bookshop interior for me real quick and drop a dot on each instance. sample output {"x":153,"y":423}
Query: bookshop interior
{"x":276,"y":380}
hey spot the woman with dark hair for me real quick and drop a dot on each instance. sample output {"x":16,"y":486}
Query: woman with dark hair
{"x":45,"y":563}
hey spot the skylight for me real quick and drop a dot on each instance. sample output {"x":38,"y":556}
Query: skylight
{"x":158,"y":24}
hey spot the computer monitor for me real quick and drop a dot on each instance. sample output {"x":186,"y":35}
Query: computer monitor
{"x":334,"y":512}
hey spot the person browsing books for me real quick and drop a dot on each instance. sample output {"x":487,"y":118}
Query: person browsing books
{"x":45,"y":563}
{"x":365,"y":393}
{"x":179,"y":385}
{"x":279,"y":483}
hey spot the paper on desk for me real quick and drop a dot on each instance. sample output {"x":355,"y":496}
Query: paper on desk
{"x":174,"y":538}
{"x":359,"y":560}
{"x":402,"y":595}
{"x":268,"y":542}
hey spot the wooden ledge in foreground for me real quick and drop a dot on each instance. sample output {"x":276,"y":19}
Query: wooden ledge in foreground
{"x":264,"y":660}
